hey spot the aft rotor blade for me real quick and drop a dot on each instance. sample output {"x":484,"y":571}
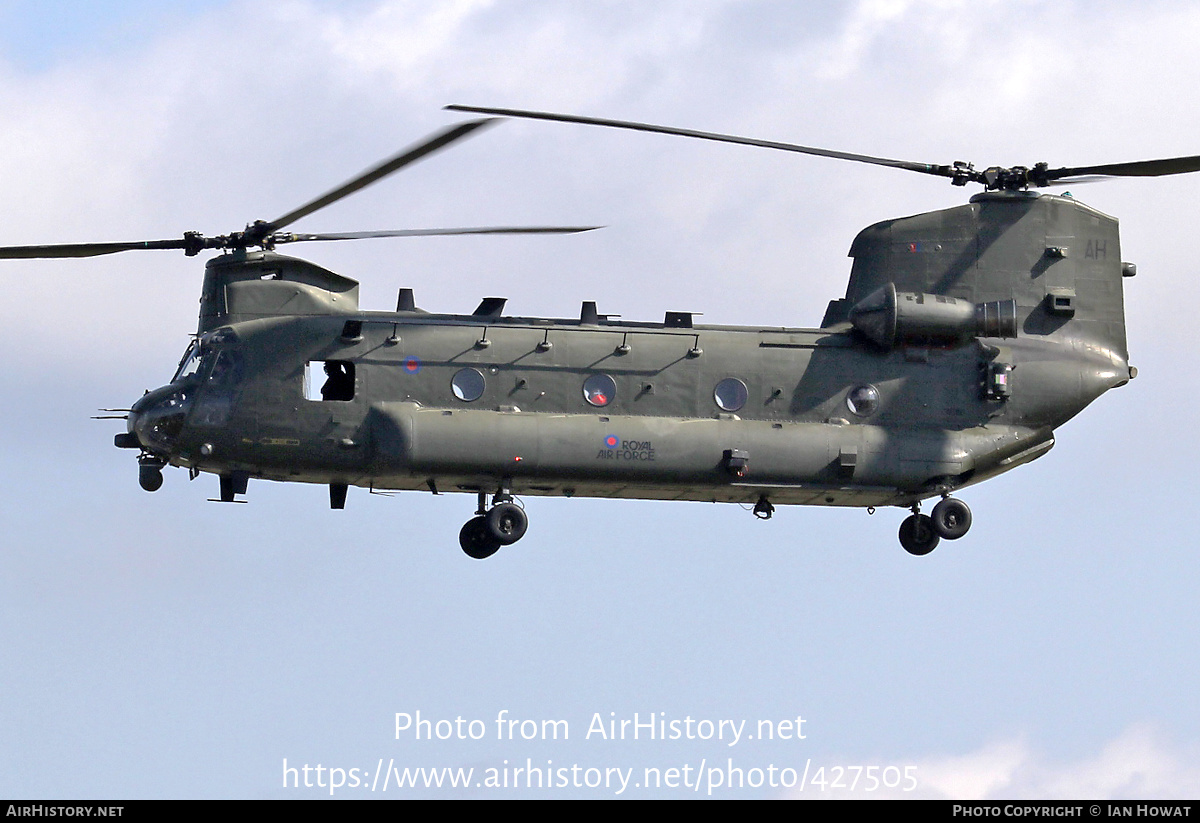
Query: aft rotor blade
{"x":1079,"y":181}
{"x":84,"y":249}
{"x":410,"y":155}
{"x":923,"y":168}
{"x":1139,"y":168}
{"x":290,"y":237}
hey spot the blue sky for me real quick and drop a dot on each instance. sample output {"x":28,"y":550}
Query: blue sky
{"x":164,"y":646}
{"x":39,"y":36}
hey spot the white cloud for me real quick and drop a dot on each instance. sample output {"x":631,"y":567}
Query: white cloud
{"x":870,"y":19}
{"x":1139,"y":763}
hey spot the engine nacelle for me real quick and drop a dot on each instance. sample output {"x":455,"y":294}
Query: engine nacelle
{"x":888,"y":318}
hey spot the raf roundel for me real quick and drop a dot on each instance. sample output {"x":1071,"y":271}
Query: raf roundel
{"x":612,"y":441}
{"x":412,"y":365}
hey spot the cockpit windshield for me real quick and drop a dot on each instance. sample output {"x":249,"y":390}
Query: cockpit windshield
{"x":190,"y":364}
{"x":213,"y":356}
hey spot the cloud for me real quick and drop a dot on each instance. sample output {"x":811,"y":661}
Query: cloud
{"x":1139,"y":763}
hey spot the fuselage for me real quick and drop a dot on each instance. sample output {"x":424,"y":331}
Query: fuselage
{"x":821,"y":416}
{"x":965,"y":338}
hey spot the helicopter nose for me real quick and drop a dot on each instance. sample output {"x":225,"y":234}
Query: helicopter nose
{"x":129,"y":439}
{"x":157,"y":418}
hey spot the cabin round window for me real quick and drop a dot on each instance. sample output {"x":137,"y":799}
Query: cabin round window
{"x":599,"y":389}
{"x":467,"y":384}
{"x":863,"y":400}
{"x":731,"y":394}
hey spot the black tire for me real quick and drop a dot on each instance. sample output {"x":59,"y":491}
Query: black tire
{"x":506,"y":523}
{"x":951,"y":518}
{"x":918,"y":535}
{"x":476,"y":539}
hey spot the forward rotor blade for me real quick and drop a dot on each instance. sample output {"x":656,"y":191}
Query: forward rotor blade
{"x":923,"y":168}
{"x":410,"y":155}
{"x":290,"y":237}
{"x":1138,"y":168}
{"x":84,"y":249}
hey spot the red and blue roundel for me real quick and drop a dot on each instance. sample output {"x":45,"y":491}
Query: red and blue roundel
{"x":612,"y":441}
{"x":412,"y":364}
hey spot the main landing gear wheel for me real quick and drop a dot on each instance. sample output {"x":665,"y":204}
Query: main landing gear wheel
{"x":951,"y":518}
{"x":503,"y":524}
{"x":506,"y":523}
{"x":476,"y":539}
{"x":918,"y":535}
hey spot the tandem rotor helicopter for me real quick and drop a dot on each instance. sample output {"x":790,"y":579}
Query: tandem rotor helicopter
{"x":965,"y":338}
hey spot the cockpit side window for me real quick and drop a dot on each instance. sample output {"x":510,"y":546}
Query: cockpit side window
{"x":226,"y":369}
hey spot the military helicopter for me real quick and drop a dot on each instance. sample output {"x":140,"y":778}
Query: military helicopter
{"x":965,"y":338}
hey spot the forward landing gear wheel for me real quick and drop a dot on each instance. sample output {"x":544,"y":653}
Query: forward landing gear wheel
{"x":918,"y":535}
{"x":476,"y":539}
{"x":951,"y":518}
{"x":506,"y":523}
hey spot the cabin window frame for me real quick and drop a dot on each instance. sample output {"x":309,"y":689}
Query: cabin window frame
{"x":460,"y":388}
{"x":741,"y":394}
{"x":599,"y":390}
{"x":863,"y":400}
{"x":315,"y":389}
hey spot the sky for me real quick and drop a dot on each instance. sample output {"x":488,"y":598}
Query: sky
{"x":159,"y":645}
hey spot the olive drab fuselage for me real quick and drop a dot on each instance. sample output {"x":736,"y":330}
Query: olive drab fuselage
{"x":965,"y":338}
